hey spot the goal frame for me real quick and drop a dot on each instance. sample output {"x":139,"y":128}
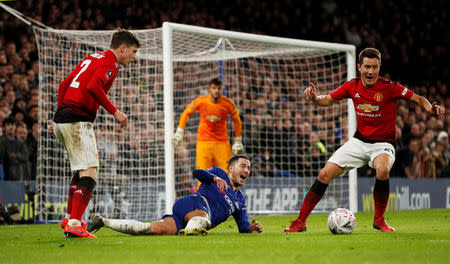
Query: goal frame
{"x":168,"y":75}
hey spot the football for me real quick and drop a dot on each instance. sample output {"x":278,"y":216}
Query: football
{"x":341,"y":221}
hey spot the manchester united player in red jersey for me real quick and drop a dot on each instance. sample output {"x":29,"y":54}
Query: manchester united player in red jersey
{"x":375,"y":100}
{"x":79,"y":97}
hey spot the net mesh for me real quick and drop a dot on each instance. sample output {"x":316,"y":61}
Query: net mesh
{"x":287,"y":138}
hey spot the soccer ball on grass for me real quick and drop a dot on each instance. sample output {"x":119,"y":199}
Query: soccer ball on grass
{"x":341,"y":221}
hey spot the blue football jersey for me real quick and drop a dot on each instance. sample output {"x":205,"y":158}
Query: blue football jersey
{"x":222,"y":204}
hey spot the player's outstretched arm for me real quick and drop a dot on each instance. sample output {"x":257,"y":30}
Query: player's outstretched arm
{"x":432,"y":109}
{"x":320,"y":100}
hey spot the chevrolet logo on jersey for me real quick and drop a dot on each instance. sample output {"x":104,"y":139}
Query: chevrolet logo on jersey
{"x":213,"y":118}
{"x":368,"y":107}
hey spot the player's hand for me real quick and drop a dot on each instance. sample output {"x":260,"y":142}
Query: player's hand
{"x":221,"y":183}
{"x":311,"y":92}
{"x":237,"y":147}
{"x":51,"y":129}
{"x":255,"y":227}
{"x":121,"y":118}
{"x":436,"y":109}
{"x":178,"y":137}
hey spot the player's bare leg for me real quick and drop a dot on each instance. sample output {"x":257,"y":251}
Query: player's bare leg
{"x":197,"y":223}
{"x":314,"y":195}
{"x":382,"y":164}
{"x":166,"y":226}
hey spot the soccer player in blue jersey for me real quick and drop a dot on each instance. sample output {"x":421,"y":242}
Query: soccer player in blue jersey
{"x":217,"y":199}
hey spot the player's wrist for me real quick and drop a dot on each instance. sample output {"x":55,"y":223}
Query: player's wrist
{"x":180,"y":130}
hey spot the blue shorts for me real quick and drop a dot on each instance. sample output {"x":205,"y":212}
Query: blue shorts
{"x":185,"y":205}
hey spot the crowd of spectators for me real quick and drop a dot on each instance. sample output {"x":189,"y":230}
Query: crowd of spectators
{"x":414,"y":52}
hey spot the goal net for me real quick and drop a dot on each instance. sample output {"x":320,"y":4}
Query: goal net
{"x":141,"y":174}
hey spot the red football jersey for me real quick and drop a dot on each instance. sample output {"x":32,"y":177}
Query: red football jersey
{"x":84,"y":90}
{"x":375,"y":107}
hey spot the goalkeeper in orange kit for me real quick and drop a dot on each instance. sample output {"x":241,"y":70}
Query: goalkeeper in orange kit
{"x":213,"y":146}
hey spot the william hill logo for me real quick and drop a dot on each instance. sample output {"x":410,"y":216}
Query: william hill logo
{"x":368,"y":107}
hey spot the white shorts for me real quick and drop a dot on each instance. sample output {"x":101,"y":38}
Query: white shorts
{"x":356,"y":153}
{"x":79,"y":140}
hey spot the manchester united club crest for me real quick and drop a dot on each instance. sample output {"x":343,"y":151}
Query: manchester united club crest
{"x":378,"y":97}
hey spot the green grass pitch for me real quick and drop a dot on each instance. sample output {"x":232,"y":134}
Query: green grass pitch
{"x":421,"y":236}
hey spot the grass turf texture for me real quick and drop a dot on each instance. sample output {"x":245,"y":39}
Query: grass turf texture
{"x":421,"y":236}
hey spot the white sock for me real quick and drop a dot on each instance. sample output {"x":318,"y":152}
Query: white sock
{"x":131,"y":227}
{"x":74,"y":222}
{"x":198,"y":222}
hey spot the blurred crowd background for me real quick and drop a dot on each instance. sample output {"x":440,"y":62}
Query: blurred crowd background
{"x":413,"y":37}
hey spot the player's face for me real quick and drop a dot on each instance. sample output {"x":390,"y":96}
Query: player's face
{"x":128,"y":54}
{"x":369,"y":69}
{"x":240,"y":172}
{"x":215,"y":91}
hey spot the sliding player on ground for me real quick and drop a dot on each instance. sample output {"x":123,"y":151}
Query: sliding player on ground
{"x":217,"y":199}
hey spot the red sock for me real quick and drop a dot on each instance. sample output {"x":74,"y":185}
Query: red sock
{"x":81,"y":197}
{"x":80,"y":201}
{"x":72,"y":188}
{"x":381,"y":200}
{"x":310,"y":201}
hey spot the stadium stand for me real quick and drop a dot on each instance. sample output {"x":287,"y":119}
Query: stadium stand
{"x":414,"y":53}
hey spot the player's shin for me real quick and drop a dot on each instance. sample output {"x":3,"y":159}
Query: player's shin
{"x":380,"y":197}
{"x":313,"y":196}
{"x":72,"y":188}
{"x":198,"y":222}
{"x":131,"y":227}
{"x":81,"y":198}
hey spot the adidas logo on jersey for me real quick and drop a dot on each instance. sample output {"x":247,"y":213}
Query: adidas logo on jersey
{"x":357,"y":95}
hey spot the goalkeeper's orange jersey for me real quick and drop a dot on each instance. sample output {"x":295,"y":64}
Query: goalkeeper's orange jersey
{"x":213,"y":118}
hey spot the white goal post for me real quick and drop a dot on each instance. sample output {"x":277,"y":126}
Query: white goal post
{"x":141,"y":174}
{"x":274,"y":42}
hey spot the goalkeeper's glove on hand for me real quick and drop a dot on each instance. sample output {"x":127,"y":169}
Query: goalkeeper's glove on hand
{"x":178,"y":137}
{"x":237,"y":147}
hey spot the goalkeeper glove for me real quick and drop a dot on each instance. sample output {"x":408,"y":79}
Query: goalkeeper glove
{"x":178,"y":137}
{"x":237,"y":147}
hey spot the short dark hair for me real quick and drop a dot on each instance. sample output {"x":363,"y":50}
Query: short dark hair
{"x":216,"y":81}
{"x":235,"y":159}
{"x":9,"y":120}
{"x":31,"y":108}
{"x":369,"y":53}
{"x":122,"y":36}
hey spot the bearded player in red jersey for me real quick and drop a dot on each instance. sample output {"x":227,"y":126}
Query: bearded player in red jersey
{"x":375,"y":100}
{"x":79,"y":97}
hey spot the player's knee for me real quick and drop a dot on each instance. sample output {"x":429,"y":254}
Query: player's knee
{"x":90,"y":172}
{"x":382,"y":172}
{"x":324,"y":176}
